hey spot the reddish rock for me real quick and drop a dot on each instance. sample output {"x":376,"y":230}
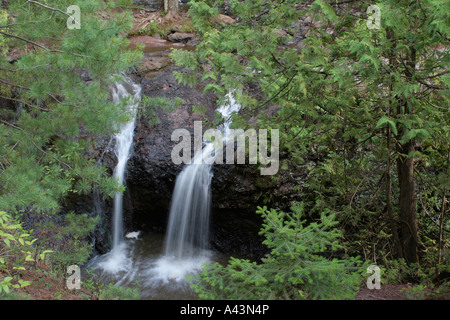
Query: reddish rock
{"x":150,"y":43}
{"x":224,"y":19}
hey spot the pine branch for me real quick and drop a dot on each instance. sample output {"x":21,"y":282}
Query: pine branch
{"x":18,"y":24}
{"x":50,"y":8}
{"x":42,"y":46}
{"x":39,"y":148}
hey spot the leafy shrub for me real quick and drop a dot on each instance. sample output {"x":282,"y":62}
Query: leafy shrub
{"x":70,"y":240}
{"x":16,"y":250}
{"x":417,"y":292}
{"x":151,"y":29}
{"x":296,"y":267}
{"x":151,"y":104}
{"x":112,"y":292}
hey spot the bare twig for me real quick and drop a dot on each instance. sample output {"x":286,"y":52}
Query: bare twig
{"x":50,"y":8}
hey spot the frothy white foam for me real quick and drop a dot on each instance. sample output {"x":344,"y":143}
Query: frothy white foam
{"x":170,"y":268}
{"x":115,"y":261}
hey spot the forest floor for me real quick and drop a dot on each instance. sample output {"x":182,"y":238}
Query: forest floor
{"x":397,"y":292}
{"x":45,"y":285}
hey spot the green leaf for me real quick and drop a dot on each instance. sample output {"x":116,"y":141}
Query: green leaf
{"x":419,"y":134}
{"x":383,"y":120}
{"x":326,"y":9}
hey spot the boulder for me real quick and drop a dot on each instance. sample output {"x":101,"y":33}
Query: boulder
{"x":154,"y":62}
{"x":180,"y":37}
{"x":222,"y":18}
{"x":152,"y":43}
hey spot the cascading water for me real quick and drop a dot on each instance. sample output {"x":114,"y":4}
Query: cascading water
{"x":116,"y":259}
{"x":124,"y":140}
{"x":187,"y":233}
{"x":162,"y":274}
{"x":189,"y":213}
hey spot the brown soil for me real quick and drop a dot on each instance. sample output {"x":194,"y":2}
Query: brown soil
{"x":44,"y":286}
{"x":386,"y":292}
{"x":397,"y":292}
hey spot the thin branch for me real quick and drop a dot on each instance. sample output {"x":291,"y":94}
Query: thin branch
{"x":22,"y":23}
{"x":357,"y":188}
{"x":39,"y":148}
{"x":24,"y":69}
{"x":21,"y":101}
{"x":50,"y":8}
{"x":42,"y":46}
{"x":429,"y":85}
{"x":13,"y":85}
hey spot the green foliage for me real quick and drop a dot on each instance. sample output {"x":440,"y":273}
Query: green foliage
{"x":417,"y":292}
{"x":150,"y":105}
{"x":3,"y":21}
{"x":395,"y":272}
{"x":296,"y":267}
{"x":54,"y":115}
{"x":113,"y":292}
{"x":16,"y":251}
{"x":352,"y":99}
{"x":69,"y":240}
{"x":108,"y":291}
{"x":153,"y":28}
{"x":199,"y":109}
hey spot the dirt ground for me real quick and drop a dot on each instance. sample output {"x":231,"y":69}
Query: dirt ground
{"x":44,"y":287}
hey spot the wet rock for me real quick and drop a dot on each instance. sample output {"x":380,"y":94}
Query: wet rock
{"x":235,"y":232}
{"x":153,"y":62}
{"x":152,"y":43}
{"x":236,"y":189}
{"x":151,"y":174}
{"x":152,"y":4}
{"x":180,"y":37}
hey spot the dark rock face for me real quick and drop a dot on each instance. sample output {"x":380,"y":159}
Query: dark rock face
{"x":152,"y":4}
{"x":156,"y":4}
{"x":236,"y":189}
{"x":150,"y":179}
{"x":151,"y":172}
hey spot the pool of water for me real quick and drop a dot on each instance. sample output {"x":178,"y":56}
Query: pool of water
{"x":140,"y":263}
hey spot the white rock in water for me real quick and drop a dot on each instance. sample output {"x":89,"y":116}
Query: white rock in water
{"x":132,"y":235}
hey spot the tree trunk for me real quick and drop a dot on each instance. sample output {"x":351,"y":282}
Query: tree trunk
{"x":405,"y":170}
{"x":393,"y":65}
{"x":407,"y":202}
{"x":441,"y":223}
{"x":171,"y":7}
{"x":397,"y":244}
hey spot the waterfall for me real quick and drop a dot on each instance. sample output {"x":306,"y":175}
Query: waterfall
{"x":116,"y":259}
{"x":189,"y":212}
{"x":187,"y":233}
{"x":124,"y":141}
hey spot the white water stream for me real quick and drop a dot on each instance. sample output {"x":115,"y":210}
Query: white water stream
{"x":116,"y":259}
{"x":186,"y":242}
{"x":158,"y":265}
